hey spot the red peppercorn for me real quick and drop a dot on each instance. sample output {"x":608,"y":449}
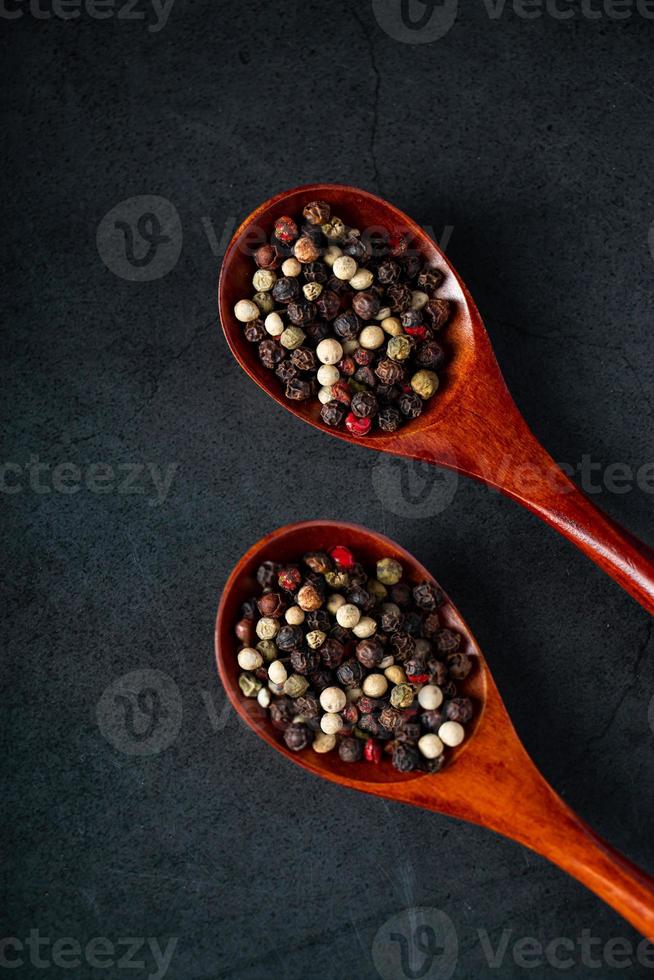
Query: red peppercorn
{"x":342,"y":556}
{"x":290,"y":578}
{"x":341,"y":393}
{"x":285,"y":229}
{"x":363,"y":357}
{"x":420,"y":332}
{"x":372,"y":751}
{"x":418,"y":678}
{"x":347,"y":367}
{"x":398,"y":244}
{"x":357,"y":426}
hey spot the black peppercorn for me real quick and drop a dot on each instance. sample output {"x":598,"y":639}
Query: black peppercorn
{"x":281,"y":713}
{"x":358,"y":574}
{"x":366,"y":304}
{"x":402,"y":645}
{"x":347,"y":325}
{"x":333,"y":414}
{"x":331,"y":652}
{"x":459,"y":666}
{"x":411,"y":318}
{"x":427,"y":596}
{"x":411,"y":265}
{"x":389,"y":419}
{"x":286,"y":289}
{"x":357,"y":248}
{"x":341,"y":634}
{"x":328,"y":304}
{"x":432,"y":720}
{"x":350,"y":673}
{"x":437,"y":671}
{"x":388,"y":272}
{"x":321,"y":678}
{"x":370,"y":652}
{"x":267,"y":574}
{"x":449,"y":690}
{"x":389,"y":372}
{"x":254,"y":331}
{"x":305,"y":661}
{"x":431,"y":624}
{"x":365,"y":376}
{"x":289,"y":638}
{"x":390,"y":717}
{"x":388,"y":394}
{"x":412,"y":623}
{"x":298,"y":390}
{"x":447,"y":641}
{"x":408,"y":730}
{"x":437,"y":312}
{"x":459,"y":709}
{"x":431,"y":765}
{"x":268,"y":257}
{"x":410,"y":405}
{"x":405,"y":757}
{"x":350,"y":749}
{"x":270,"y":353}
{"x":307,"y":705}
{"x":429,"y":280}
{"x":249,"y":607}
{"x":316,"y":272}
{"x":318,"y":619}
{"x":297,"y":737}
{"x":301,"y":313}
{"x":370,"y":724}
{"x":320,"y":562}
{"x":364,"y":404}
{"x":286,"y":370}
{"x":316,"y":331}
{"x":430,"y":355}
{"x":361,"y":597}
{"x":415,"y":666}
{"x":391,"y":618}
{"x":399,"y":297}
{"x":271,"y":604}
{"x":304,"y":359}
{"x":317,"y":212}
{"x":401,"y":594}
{"x":339,"y":286}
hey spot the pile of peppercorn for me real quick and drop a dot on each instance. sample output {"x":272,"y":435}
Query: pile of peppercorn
{"x":348,"y":316}
{"x":358,"y":662}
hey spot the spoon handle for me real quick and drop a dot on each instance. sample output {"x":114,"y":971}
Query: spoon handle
{"x":499,"y":449}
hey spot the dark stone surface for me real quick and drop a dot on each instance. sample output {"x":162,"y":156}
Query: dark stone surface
{"x":532,"y":139}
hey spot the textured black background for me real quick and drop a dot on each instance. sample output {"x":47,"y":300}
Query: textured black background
{"x":532,"y":139}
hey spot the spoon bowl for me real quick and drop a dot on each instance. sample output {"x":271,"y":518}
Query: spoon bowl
{"x":489,"y":780}
{"x":472,"y":424}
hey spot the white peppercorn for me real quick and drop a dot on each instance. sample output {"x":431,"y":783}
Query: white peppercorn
{"x":395,"y":674}
{"x":391,"y":325}
{"x":294,"y":616}
{"x":329,"y":351}
{"x":274,"y":324}
{"x":312,"y":290}
{"x":353,"y":694}
{"x":430,"y":746}
{"x":362,"y":279}
{"x":430,"y":697}
{"x":425,"y":383}
{"x":418,"y":299}
{"x":331,"y":723}
{"x":375,"y":686}
{"x":328,"y":374}
{"x":277,"y":672}
{"x":292,"y":338}
{"x":291,"y":267}
{"x":388,"y":661}
{"x":334,"y":602}
{"x":365,"y":627}
{"x":350,"y":346}
{"x":263,"y":280}
{"x":344,"y":267}
{"x":323,"y":742}
{"x":267,"y":628}
{"x":333,"y":699}
{"x":245,"y":310}
{"x":331,"y":253}
{"x":316,"y":638}
{"x":325,"y":395}
{"x":371,"y":337}
{"x":383,"y":314}
{"x":348,"y":615}
{"x":263,"y":697}
{"x":451,"y":733}
{"x":249,"y":659}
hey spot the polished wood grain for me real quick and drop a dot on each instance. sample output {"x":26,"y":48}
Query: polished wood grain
{"x":472,"y":425}
{"x":490,"y":779}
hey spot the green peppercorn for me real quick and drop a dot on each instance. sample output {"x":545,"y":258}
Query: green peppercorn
{"x":249,"y":685}
{"x":265,"y":302}
{"x":425,"y":384}
{"x":389,"y":571}
{"x":402,"y":696}
{"x":316,"y":638}
{"x":292,"y":338}
{"x":399,"y":348}
{"x":268,"y":650}
{"x":263,"y":280}
{"x":295,"y":685}
{"x":337,"y":580}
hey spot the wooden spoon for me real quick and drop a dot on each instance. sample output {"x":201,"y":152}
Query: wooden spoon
{"x":490,"y":780}
{"x":472,"y":424}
